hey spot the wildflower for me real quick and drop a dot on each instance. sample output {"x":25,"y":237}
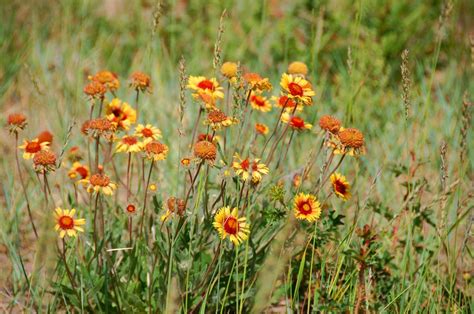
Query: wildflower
{"x":174,"y":205}
{"x":295,"y":122}
{"x":261,"y":128}
{"x":217,"y":119}
{"x":204,"y":86}
{"x":107,"y":78}
{"x":297,"y":88}
{"x":256,"y":82}
{"x":78,"y":170}
{"x":131,"y":209}
{"x":186,"y":161}
{"x":296,"y":180}
{"x":140,"y":82}
{"x":74,"y":154}
{"x":340,"y":186}
{"x":129,"y":144}
{"x":228,"y":224}
{"x":45,"y":137}
{"x":249,"y":169}
{"x":287,"y":103}
{"x":66,"y":224}
{"x":121,"y":114}
{"x":153,"y":187}
{"x":16,"y":122}
{"x":205,"y":137}
{"x":44,"y":161}
{"x":352,"y":142}
{"x":229,"y":69}
{"x":306,"y":206}
{"x":95,"y":90}
{"x":30,"y":148}
{"x":298,"y":67}
{"x":148,"y":132}
{"x":100,"y":127}
{"x":156,"y":151}
{"x":330,"y":124}
{"x":99,"y":183}
{"x":205,"y":150}
{"x":260,"y":103}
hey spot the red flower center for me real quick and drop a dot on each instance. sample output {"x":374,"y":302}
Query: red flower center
{"x":295,"y":89}
{"x":82,"y":172}
{"x":231,"y":225}
{"x":305,"y":208}
{"x":258,"y":100}
{"x":245,"y":164}
{"x":206,"y":84}
{"x":131,"y":208}
{"x":254,"y":166}
{"x":33,"y":147}
{"x":297,"y":122}
{"x":286,"y":102}
{"x":129,"y":140}
{"x":66,"y":222}
{"x":340,"y":187}
{"x":117,"y":112}
{"x":147,"y":132}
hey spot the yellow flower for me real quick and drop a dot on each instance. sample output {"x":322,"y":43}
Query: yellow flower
{"x":78,"y":169}
{"x":203,"y":86}
{"x":121,"y":114}
{"x":256,"y":82}
{"x":129,"y":144}
{"x":147,"y":132}
{"x":261,"y":128}
{"x":306,"y":206}
{"x":295,"y":122}
{"x":228,"y":224}
{"x":107,"y":78}
{"x":340,"y":186}
{"x":217,"y":120}
{"x":297,"y":88}
{"x":229,"y":69}
{"x":156,"y":151}
{"x":153,"y":187}
{"x":260,"y":103}
{"x":298,"y":67}
{"x":249,"y":169}
{"x":30,"y":148}
{"x":99,"y":183}
{"x":66,"y":224}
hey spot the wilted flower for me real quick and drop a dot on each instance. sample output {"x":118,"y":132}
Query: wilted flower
{"x":205,"y":151}
{"x":256,"y":82}
{"x":107,"y":78}
{"x":66,"y":224}
{"x":229,"y":224}
{"x":217,"y":120}
{"x":95,"y":90}
{"x":330,"y":124}
{"x":174,"y":206}
{"x":140,"y":82}
{"x":44,"y":161}
{"x":351,"y":142}
{"x":16,"y":122}
{"x":100,"y":127}
{"x":156,"y":151}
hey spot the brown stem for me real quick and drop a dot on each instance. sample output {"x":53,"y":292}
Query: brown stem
{"x":97,"y":142}
{"x":146,"y":195}
{"x":28,"y":207}
{"x":192,"y":184}
{"x":128,"y":176}
{"x":196,"y":126}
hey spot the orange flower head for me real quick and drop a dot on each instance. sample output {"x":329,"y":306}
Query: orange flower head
{"x":106,"y":78}
{"x":256,"y":82}
{"x":100,"y":127}
{"x":229,"y":69}
{"x":45,"y":137}
{"x":205,"y":150}
{"x":140,"y":81}
{"x":260,"y":103}
{"x":156,"y":151}
{"x":261,"y":128}
{"x":351,"y":138}
{"x":44,"y":161}
{"x":16,"y":122}
{"x":330,"y":124}
{"x":99,"y":183}
{"x":95,"y":90}
{"x":186,"y":162}
{"x":131,"y":209}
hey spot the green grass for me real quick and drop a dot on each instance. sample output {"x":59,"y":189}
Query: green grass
{"x":415,"y":262}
